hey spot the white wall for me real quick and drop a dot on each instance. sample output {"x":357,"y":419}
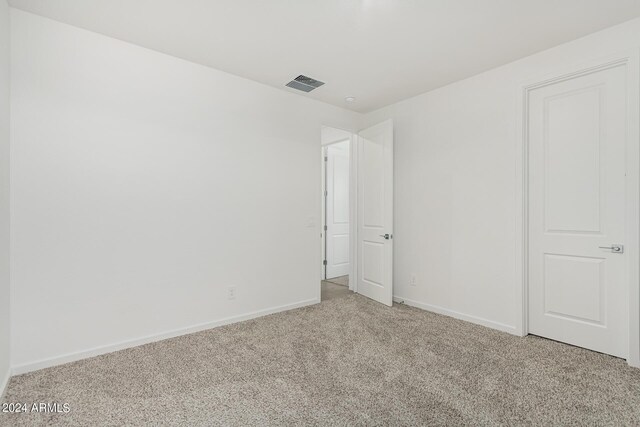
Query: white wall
{"x":330,"y":135}
{"x":4,"y":194}
{"x":143,"y":186}
{"x":455,"y":191}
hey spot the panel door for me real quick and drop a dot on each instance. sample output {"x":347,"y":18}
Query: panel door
{"x":577,"y":287}
{"x":375,"y":212}
{"x":337,"y":209}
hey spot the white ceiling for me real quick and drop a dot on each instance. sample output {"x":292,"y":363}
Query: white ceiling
{"x":380,"y":51}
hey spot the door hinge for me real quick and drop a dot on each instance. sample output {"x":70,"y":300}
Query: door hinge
{"x":324,"y":262}
{"x":325,"y":228}
{"x":326,"y":193}
{"x":326,"y":159}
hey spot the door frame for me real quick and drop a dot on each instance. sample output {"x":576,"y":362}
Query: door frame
{"x":353,"y":200}
{"x":629,"y":59}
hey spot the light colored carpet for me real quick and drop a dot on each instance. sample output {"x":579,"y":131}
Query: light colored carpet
{"x":342,"y":280}
{"x":346,"y":361}
{"x":331,"y":291}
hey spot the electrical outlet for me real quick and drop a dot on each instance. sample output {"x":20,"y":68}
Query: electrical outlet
{"x":413,"y":281}
{"x":231,"y":292}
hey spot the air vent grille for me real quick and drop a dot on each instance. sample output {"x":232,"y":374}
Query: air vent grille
{"x":304,"y":83}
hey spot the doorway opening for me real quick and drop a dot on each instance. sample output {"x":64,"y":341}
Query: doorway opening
{"x":357,"y":219}
{"x":336,"y":213}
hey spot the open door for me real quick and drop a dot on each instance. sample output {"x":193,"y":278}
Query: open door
{"x":337,"y":209}
{"x":375,"y":213}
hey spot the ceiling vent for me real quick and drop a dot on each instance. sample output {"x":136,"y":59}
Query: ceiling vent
{"x":304,"y":83}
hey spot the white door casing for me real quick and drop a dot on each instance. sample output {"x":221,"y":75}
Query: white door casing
{"x":375,"y":213}
{"x":577,"y":130}
{"x":337,"y":211}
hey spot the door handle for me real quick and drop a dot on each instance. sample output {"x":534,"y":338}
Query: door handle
{"x":615,"y":248}
{"x":387,"y":236}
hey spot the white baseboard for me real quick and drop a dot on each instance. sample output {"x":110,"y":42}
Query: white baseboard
{"x":4,"y":381}
{"x":97,"y":351}
{"x":457,"y":315}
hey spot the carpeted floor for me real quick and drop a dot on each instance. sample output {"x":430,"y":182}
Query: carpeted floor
{"x":341,"y":280}
{"x":331,"y":291}
{"x":346,"y":361}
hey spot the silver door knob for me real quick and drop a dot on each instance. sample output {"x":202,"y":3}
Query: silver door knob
{"x":387,"y":236}
{"x":615,"y":248}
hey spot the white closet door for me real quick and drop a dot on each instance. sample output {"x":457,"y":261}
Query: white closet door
{"x":577,"y":287}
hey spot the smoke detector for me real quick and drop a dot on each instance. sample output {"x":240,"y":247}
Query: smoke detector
{"x":304,"y":83}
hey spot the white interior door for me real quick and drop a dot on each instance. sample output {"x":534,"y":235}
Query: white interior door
{"x":577,"y":287}
{"x":337,"y":219}
{"x":375,"y":213}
